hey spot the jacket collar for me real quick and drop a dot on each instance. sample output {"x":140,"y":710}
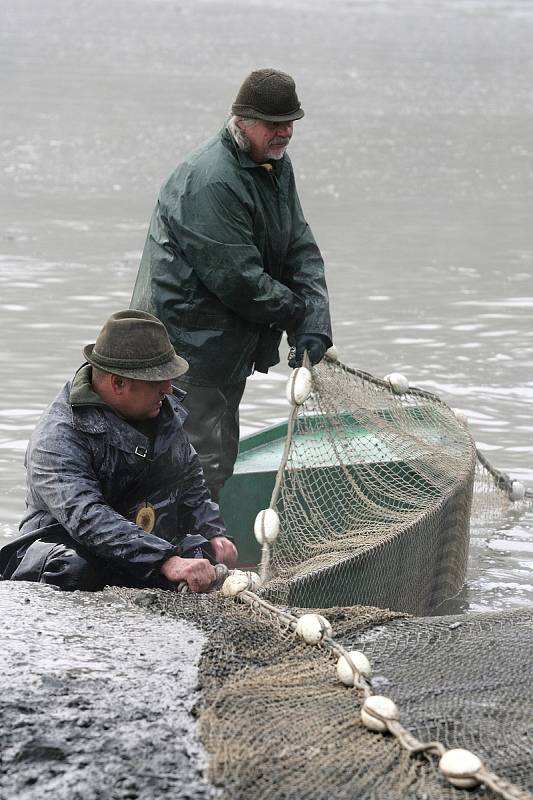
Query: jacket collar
{"x":81,"y":390}
{"x":91,"y":415}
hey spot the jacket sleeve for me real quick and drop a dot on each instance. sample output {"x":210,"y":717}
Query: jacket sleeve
{"x":199,"y":514}
{"x":62,"y":475}
{"x":214,"y":230}
{"x":305,"y":273}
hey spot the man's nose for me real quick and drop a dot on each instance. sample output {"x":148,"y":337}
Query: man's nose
{"x":165,"y":388}
{"x":284,"y":129}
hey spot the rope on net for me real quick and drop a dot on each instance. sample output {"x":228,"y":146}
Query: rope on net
{"x":267,"y":522}
{"x":462,"y":768}
{"x":514,"y":489}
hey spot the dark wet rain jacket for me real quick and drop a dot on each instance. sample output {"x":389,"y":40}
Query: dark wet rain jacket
{"x":230,"y":262}
{"x":91,"y":471}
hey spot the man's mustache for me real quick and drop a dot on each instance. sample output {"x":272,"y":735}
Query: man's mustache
{"x":281,"y":140}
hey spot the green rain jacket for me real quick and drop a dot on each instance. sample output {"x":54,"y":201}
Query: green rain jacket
{"x":230,"y":262}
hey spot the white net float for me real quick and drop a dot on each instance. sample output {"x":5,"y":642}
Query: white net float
{"x":397,"y":382}
{"x":345,"y":670}
{"x":332,"y":354}
{"x":460,"y":766}
{"x":328,"y":630}
{"x":518,"y":491}
{"x":299,"y":386}
{"x":235,"y":584}
{"x":461,"y":416}
{"x":313,"y":627}
{"x":266,"y":526}
{"x":254,"y":581}
{"x":375,"y":710}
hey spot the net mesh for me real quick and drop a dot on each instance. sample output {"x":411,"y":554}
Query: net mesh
{"x":377,"y":489}
{"x":278,"y":724}
{"x":375,"y":500}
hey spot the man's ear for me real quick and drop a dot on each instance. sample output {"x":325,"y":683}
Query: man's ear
{"x":118,"y":384}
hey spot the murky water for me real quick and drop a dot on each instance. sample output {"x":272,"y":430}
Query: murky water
{"x":414,"y":164}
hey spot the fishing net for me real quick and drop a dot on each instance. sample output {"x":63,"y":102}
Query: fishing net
{"x":374,"y":494}
{"x":375,"y":497}
{"x":279,"y":725}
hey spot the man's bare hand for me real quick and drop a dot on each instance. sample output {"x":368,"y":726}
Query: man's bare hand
{"x":224,"y":551}
{"x":198,"y":573}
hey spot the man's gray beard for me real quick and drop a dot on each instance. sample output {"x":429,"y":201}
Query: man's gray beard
{"x":277,"y":156}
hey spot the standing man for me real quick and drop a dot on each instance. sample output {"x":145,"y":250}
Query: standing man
{"x":115,"y":492}
{"x":230,"y":263}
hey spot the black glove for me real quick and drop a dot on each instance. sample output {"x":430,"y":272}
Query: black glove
{"x":315,"y":344}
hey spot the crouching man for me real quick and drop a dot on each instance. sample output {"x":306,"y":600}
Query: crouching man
{"x":115,"y":491}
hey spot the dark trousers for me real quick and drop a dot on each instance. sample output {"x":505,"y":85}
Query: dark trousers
{"x":62,"y":562}
{"x":213,"y":428}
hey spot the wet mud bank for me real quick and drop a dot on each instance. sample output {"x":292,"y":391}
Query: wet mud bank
{"x":96,"y":699}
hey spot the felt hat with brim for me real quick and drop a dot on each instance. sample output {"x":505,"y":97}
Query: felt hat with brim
{"x":134,"y":344}
{"x":270,"y":95}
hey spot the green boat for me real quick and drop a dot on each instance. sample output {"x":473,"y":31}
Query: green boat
{"x":250,"y":488}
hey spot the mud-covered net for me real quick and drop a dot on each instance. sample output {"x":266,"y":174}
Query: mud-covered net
{"x":375,"y":497}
